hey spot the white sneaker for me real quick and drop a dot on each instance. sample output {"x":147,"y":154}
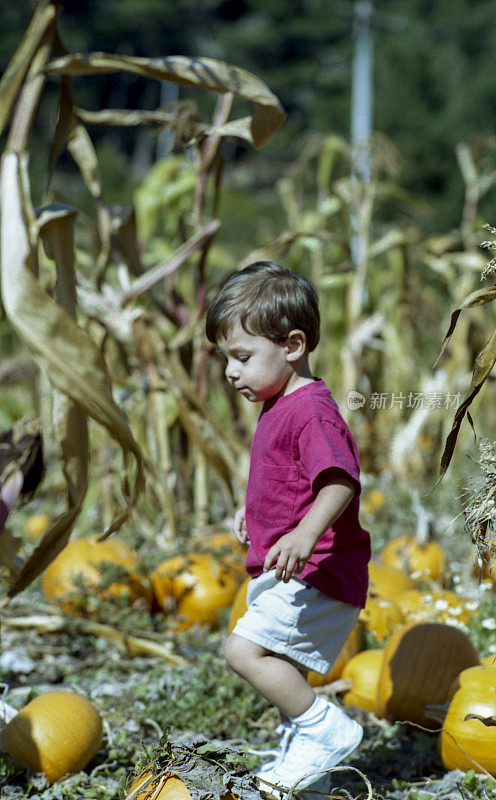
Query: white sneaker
{"x":315,"y":749}
{"x":286,"y":730}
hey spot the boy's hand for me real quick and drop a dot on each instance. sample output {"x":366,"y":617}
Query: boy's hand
{"x":291,"y":552}
{"x":239,"y":526}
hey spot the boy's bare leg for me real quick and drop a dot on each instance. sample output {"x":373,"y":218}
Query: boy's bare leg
{"x":280,"y":682}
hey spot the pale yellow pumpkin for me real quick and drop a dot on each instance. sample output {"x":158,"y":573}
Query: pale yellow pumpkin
{"x":57,"y":733}
{"x":363,"y":670}
{"x":473,"y":692}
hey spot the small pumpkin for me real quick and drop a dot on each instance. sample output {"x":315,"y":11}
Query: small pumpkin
{"x":351,"y":647}
{"x":421,"y":661}
{"x":381,"y":616}
{"x":162,"y":786}
{"x":372,"y":501}
{"x":437,"y":606}
{"x":239,"y":605}
{"x":85,"y":559}
{"x":36,"y":525}
{"x":388,"y":581}
{"x":57,"y":733}
{"x":363,"y":670}
{"x":473,"y":692}
{"x":427,"y":560}
{"x":198,"y":586}
{"x":159,"y":787}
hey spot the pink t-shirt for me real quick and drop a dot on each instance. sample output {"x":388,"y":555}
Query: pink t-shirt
{"x":297,"y":437}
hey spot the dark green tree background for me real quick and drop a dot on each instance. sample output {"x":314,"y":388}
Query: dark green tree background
{"x":434,"y":83}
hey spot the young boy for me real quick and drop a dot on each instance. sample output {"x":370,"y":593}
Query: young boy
{"x":307,"y":552}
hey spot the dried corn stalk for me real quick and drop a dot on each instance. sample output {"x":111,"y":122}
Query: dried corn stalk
{"x":48,"y":325}
{"x":479,"y":503}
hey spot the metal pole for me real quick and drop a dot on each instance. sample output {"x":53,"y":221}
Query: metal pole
{"x":361,"y":100}
{"x":361,"y":121}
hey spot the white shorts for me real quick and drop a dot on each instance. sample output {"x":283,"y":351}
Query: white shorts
{"x":296,"y":621}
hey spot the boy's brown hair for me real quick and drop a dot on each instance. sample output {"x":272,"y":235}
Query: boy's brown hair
{"x":267,"y":300}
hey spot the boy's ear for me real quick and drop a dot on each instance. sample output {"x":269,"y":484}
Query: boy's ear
{"x":296,"y":345}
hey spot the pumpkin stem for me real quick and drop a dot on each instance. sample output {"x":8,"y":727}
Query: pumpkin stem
{"x":425,"y":521}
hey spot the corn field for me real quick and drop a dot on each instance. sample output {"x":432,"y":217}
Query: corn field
{"x":114,"y":413}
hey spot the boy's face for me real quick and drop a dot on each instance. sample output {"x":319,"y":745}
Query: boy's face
{"x":255,"y":366}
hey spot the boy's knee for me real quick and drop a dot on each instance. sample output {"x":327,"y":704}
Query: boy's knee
{"x":237,"y":652}
{"x":232,"y":652}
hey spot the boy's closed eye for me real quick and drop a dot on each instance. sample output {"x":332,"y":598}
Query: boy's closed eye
{"x":243,"y":357}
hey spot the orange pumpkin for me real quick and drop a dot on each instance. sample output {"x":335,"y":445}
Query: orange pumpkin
{"x":85,"y":559}
{"x":239,"y":605}
{"x":427,"y":560}
{"x":198,"y":586}
{"x":387,"y":581}
{"x":421,"y":661}
{"x":437,"y":606}
{"x":363,"y":670}
{"x":473,"y":692}
{"x":57,"y":733}
{"x":162,"y":786}
{"x":381,"y":616}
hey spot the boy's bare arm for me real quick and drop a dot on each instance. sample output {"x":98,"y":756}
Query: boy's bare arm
{"x":293,"y":550}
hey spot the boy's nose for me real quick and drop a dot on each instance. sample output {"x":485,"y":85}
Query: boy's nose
{"x":232,"y":372}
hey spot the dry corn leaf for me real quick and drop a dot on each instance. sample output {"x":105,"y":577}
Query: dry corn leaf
{"x":42,"y":22}
{"x":210,"y":770}
{"x":483,"y":365}
{"x":75,"y":366}
{"x":478,"y":298}
{"x":185,"y":251}
{"x":66,"y":122}
{"x":203,"y":73}
{"x":125,"y":117}
{"x":81,"y":149}
{"x":124,"y":236}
